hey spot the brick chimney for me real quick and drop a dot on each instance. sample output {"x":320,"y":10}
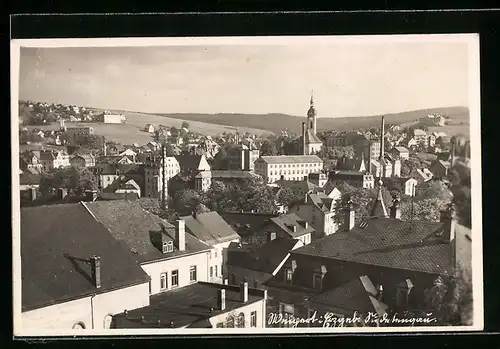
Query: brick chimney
{"x":180,"y":234}
{"x":349,"y":215}
{"x":95,"y":266}
{"x":244,"y":292}
{"x":395,"y":209}
{"x":221,"y":299}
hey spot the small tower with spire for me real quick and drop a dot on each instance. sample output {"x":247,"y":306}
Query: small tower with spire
{"x":311,"y":116}
{"x":378,"y":209}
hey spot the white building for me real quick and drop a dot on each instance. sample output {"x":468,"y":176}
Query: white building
{"x":172,"y":258}
{"x":74,"y":273}
{"x":291,"y":167}
{"x":51,"y":160}
{"x":156,"y":177}
{"x":213,"y":230}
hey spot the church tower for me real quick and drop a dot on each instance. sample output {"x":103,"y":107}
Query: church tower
{"x":311,"y":116}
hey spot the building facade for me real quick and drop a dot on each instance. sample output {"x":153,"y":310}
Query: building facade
{"x":287,"y":167}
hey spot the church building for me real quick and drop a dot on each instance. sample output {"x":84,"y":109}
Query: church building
{"x":386,"y":165}
{"x":311,"y":144}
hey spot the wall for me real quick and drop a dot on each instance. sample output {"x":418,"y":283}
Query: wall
{"x":217,"y":257}
{"x":248,"y":275}
{"x":258,"y":306}
{"x":63,"y":316}
{"x":312,"y":215}
{"x":182,"y":264}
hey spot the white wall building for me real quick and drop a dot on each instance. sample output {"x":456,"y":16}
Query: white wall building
{"x":291,"y":167}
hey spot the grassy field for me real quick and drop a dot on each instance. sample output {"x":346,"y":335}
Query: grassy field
{"x":132,"y":131}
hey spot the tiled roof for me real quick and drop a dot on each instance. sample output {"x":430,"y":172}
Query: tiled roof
{"x":340,"y":173}
{"x":401,"y":149}
{"x":129,"y":222}
{"x":27,"y":178}
{"x":291,"y":159}
{"x":379,"y":209}
{"x":191,"y":306}
{"x":356,"y":295}
{"x":264,"y":258}
{"x":311,"y":137}
{"x":246,"y":223}
{"x":320,"y":200}
{"x":117,"y":196}
{"x":56,"y":242}
{"x":287,"y":221}
{"x":387,"y":242}
{"x":210,"y":228}
{"x":296,"y":185}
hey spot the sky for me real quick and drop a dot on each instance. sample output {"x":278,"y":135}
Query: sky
{"x":346,"y":78}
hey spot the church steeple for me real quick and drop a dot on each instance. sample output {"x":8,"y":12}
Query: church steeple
{"x":379,"y":209}
{"x":311,"y":116}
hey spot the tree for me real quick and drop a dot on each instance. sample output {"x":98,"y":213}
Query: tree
{"x":286,"y":196}
{"x":185,"y":124}
{"x":77,"y":181}
{"x":268,"y":148}
{"x":450,"y":298}
{"x":186,"y":201}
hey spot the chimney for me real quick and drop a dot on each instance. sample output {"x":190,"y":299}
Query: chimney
{"x":95,"y":265}
{"x":90,"y":195}
{"x":395,"y":209}
{"x":193,"y":214}
{"x":63,"y":192}
{"x":32,"y":194}
{"x":180,"y":234}
{"x":349,"y":215}
{"x":380,"y":293}
{"x":305,"y":198}
{"x":221,"y":299}
{"x":244,"y":292}
{"x":382,"y":132}
{"x":304,"y":151}
{"x":306,"y":225}
{"x":448,"y":218}
{"x":226,"y":282}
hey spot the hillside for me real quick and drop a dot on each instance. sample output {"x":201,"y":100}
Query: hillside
{"x":277,"y":122}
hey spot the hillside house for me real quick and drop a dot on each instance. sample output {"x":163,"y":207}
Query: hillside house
{"x":400,"y":152}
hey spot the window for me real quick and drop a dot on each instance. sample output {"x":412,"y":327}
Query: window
{"x":220,"y":325}
{"x":241,"y":320}
{"x":215,"y":271}
{"x":175,"y":278}
{"x":79,"y":326}
{"x":288,"y":276}
{"x":168,"y":246}
{"x":230,"y":321}
{"x":215,"y":254}
{"x":149,"y":286}
{"x":211,"y":271}
{"x":192,"y":273}
{"x":317,"y":280}
{"x":233,"y":279}
{"x":163,"y":281}
{"x":253,"y":319}
{"x":255,"y":284}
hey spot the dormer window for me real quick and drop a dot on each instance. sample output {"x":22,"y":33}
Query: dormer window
{"x":168,"y":246}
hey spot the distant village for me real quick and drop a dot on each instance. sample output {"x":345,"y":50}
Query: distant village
{"x":194,"y":231}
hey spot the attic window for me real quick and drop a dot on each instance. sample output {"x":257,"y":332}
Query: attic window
{"x":363,"y":224}
{"x":168,"y":246}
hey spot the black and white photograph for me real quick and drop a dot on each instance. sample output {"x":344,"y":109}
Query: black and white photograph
{"x":246,"y":185}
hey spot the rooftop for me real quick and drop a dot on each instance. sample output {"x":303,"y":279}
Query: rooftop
{"x":233,"y":174}
{"x":389,"y":243}
{"x":135,"y":227}
{"x":264,"y":258}
{"x":210,"y":228}
{"x":56,"y":243}
{"x":290,"y":159}
{"x":286,"y":223}
{"x":190,"y":306}
{"x":245,"y":223}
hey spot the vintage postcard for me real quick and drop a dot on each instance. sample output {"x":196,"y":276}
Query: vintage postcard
{"x":246,"y":185}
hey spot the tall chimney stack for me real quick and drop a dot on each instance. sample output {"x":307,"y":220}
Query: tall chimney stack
{"x":244,"y":292}
{"x":382,"y":133}
{"x":304,"y":150}
{"x":95,"y":266}
{"x":349,"y":215}
{"x":180,"y":234}
{"x":221,"y":299}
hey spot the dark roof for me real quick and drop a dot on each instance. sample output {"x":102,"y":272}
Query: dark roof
{"x":186,"y":306}
{"x":387,"y":242}
{"x":340,"y":173}
{"x":286,"y":223}
{"x":303,"y":185}
{"x":210,"y":228}
{"x":311,"y":137}
{"x":189,"y":161}
{"x":264,"y":258}
{"x":320,"y":200}
{"x":356,"y":295}
{"x":117,"y":196}
{"x":129,"y":222}
{"x":246,"y":223}
{"x":56,"y":242}
{"x":379,"y":209}
{"x":216,"y":174}
{"x":290,"y":159}
{"x":27,"y":178}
